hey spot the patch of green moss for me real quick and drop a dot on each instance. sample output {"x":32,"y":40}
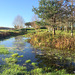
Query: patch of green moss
{"x":11,"y":60}
{"x":15,"y":55}
{"x":20,"y":56}
{"x":14,"y":70}
{"x":33,"y":64}
{"x":3,"y":50}
{"x":37,"y":71}
{"x":28,"y":61}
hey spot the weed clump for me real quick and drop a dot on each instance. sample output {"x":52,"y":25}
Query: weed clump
{"x":14,"y":70}
{"x":3,"y":50}
{"x":11,"y":60}
{"x":15,"y":55}
{"x":28,"y":61}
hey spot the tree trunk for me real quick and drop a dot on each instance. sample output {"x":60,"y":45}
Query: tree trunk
{"x":71,"y":29}
{"x":54,"y":32}
{"x":67,"y":29}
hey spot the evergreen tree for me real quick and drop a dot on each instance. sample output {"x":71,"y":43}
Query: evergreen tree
{"x":49,"y":11}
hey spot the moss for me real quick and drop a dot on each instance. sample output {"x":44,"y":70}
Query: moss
{"x":28,"y":61}
{"x":3,"y":50}
{"x":11,"y":60}
{"x":38,"y":71}
{"x":33,"y":64}
{"x":15,"y":55}
{"x":14,"y":70}
{"x":20,"y":56}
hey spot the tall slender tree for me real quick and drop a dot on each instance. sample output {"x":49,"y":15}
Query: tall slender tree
{"x":72,"y":18}
{"x":70,"y":4}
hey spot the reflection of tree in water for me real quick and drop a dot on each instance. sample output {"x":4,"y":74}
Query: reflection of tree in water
{"x":55,"y":59}
{"x":19,"y":43}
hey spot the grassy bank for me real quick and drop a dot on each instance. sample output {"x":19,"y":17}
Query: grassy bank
{"x":62,"y":40}
{"x":41,"y":38}
{"x":7,"y":33}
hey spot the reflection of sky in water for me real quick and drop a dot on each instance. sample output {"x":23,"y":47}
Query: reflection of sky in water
{"x":18,"y":44}
{"x":7,"y":42}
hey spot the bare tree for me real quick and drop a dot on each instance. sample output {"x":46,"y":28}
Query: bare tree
{"x":34,"y":20}
{"x":18,"y":22}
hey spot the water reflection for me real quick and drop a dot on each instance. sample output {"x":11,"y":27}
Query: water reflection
{"x":19,"y":43}
{"x":50,"y":58}
{"x":56,"y":59}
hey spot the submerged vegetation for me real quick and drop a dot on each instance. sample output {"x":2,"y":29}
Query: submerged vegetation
{"x":56,"y":57}
{"x":47,"y":60}
{"x":3,"y":50}
{"x":28,"y":61}
{"x":15,"y":55}
{"x":13,"y":69}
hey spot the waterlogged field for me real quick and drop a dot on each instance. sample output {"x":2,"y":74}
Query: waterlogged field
{"x":19,"y":57}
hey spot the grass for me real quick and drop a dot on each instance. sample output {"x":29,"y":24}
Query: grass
{"x":41,"y":37}
{"x":62,"y":40}
{"x":62,"y":32}
{"x":1,"y":30}
{"x":8,"y":33}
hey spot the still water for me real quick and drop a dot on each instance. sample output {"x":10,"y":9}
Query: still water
{"x":44,"y":58}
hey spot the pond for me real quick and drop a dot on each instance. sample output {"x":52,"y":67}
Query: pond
{"x":56,"y":59}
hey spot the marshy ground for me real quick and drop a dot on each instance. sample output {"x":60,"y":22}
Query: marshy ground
{"x":38,"y":53}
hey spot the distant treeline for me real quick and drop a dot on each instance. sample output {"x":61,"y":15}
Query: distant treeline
{"x":6,"y":28}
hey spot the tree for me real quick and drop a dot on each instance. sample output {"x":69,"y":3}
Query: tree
{"x":69,"y":17}
{"x":18,"y":22}
{"x":72,"y":16}
{"x":27,"y":24}
{"x":66,"y":14}
{"x":35,"y":19}
{"x":49,"y":11}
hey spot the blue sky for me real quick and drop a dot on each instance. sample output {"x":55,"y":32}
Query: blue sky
{"x":9,"y":9}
